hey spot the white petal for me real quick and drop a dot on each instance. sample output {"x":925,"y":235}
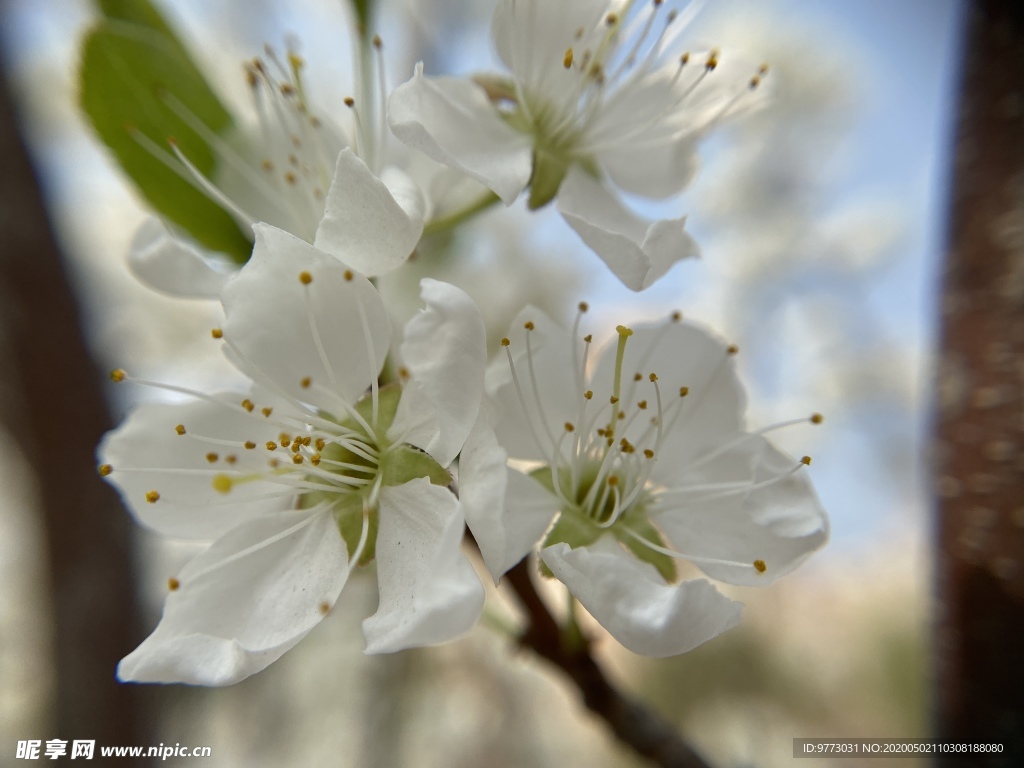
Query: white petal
{"x":146,"y":454}
{"x":451,"y":121}
{"x":165,"y":263}
{"x":636,"y":250}
{"x":244,"y":602}
{"x":682,"y":355}
{"x":445,"y":354}
{"x":529,"y":420}
{"x":275,"y":322}
{"x":370,"y":225}
{"x":508,"y":512}
{"x":532,"y":37}
{"x":779,"y":524}
{"x":634,"y":604}
{"x":429,"y":592}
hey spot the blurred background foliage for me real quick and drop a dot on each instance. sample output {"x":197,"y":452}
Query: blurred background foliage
{"x":821,"y":223}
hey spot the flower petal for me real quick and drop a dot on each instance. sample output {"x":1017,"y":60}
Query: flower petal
{"x":168,"y":264}
{"x":244,"y":602}
{"x":279,"y":325}
{"x":429,"y":592}
{"x":636,"y":250}
{"x":445,"y":355}
{"x":682,"y":354}
{"x":780,"y":524}
{"x":451,"y":121}
{"x":634,"y":604}
{"x":507,"y":511}
{"x":147,"y":454}
{"x":554,"y":400}
{"x":370,"y":225}
{"x":532,"y":37}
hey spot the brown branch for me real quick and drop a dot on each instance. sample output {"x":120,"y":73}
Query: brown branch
{"x":979,"y":425}
{"x":633,"y":723}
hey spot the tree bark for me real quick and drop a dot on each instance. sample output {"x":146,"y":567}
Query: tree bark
{"x":54,"y":410}
{"x":980,"y":421}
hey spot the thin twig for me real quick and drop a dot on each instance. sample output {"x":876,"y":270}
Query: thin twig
{"x":631,"y":722}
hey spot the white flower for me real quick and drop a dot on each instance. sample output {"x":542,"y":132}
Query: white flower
{"x":307,"y":475}
{"x":596,"y":100}
{"x":295,"y":170}
{"x":644,"y":462}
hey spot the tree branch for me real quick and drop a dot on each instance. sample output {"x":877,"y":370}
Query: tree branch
{"x":631,"y":722}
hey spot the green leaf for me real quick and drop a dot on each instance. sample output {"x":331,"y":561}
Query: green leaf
{"x":133,"y":66}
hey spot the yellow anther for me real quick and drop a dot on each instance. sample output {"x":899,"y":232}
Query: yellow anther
{"x":173,"y":584}
{"x":305,"y":382}
{"x":759,"y":566}
{"x":588,"y":338}
{"x":588,"y":394}
{"x":505,"y":341}
{"x":104,"y":469}
{"x":180,"y":429}
{"x":287,"y":89}
{"x":222,"y":483}
{"x":569,"y":426}
{"x":267,"y":411}
{"x":732,"y":349}
{"x":676,"y":316}
{"x":583,"y":306}
{"x":648,"y":453}
{"x":152,"y":497}
{"x":290,"y":178}
{"x":307,"y":440}
{"x":817,"y":418}
{"x":763,"y":69}
{"x":712,"y":61}
{"x":613,"y":480}
{"x":315,"y":459}
{"x":305,"y":278}
{"x":297,"y":458}
{"x":567,"y":59}
{"x":273,"y":463}
{"x":249,"y":445}
{"x":684,"y":59}
{"x":285,"y":441}
{"x":349,"y":102}
{"x":623,"y":331}
{"x":638,"y":377}
{"x":212,"y":457}
{"x":248,"y":405}
{"x":403,"y":373}
{"x":806,"y":461}
{"x":528,"y":325}
{"x":324,"y":608}
{"x":755,"y":81}
{"x":217,"y":333}
{"x":349,"y":275}
{"x":231,"y":458}
{"x":271,"y":445}
{"x":613,"y":399}
{"x":377,"y":43}
{"x":652,"y":376}
{"x":320,"y":443}
{"x":118,"y":375}
{"x":295,"y":60}
{"x":611,"y":19}
{"x":642,"y":405}
{"x":296,"y":446}
{"x":267,"y":165}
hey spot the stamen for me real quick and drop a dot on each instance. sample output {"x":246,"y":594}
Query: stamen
{"x":691,"y":558}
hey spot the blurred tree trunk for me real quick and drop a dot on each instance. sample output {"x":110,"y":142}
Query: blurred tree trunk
{"x":980,"y":423}
{"x":53,"y":409}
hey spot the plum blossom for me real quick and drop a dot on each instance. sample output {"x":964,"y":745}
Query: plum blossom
{"x":599,"y":100}
{"x":314,"y":471}
{"x":630,"y":467}
{"x":322,"y":181}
